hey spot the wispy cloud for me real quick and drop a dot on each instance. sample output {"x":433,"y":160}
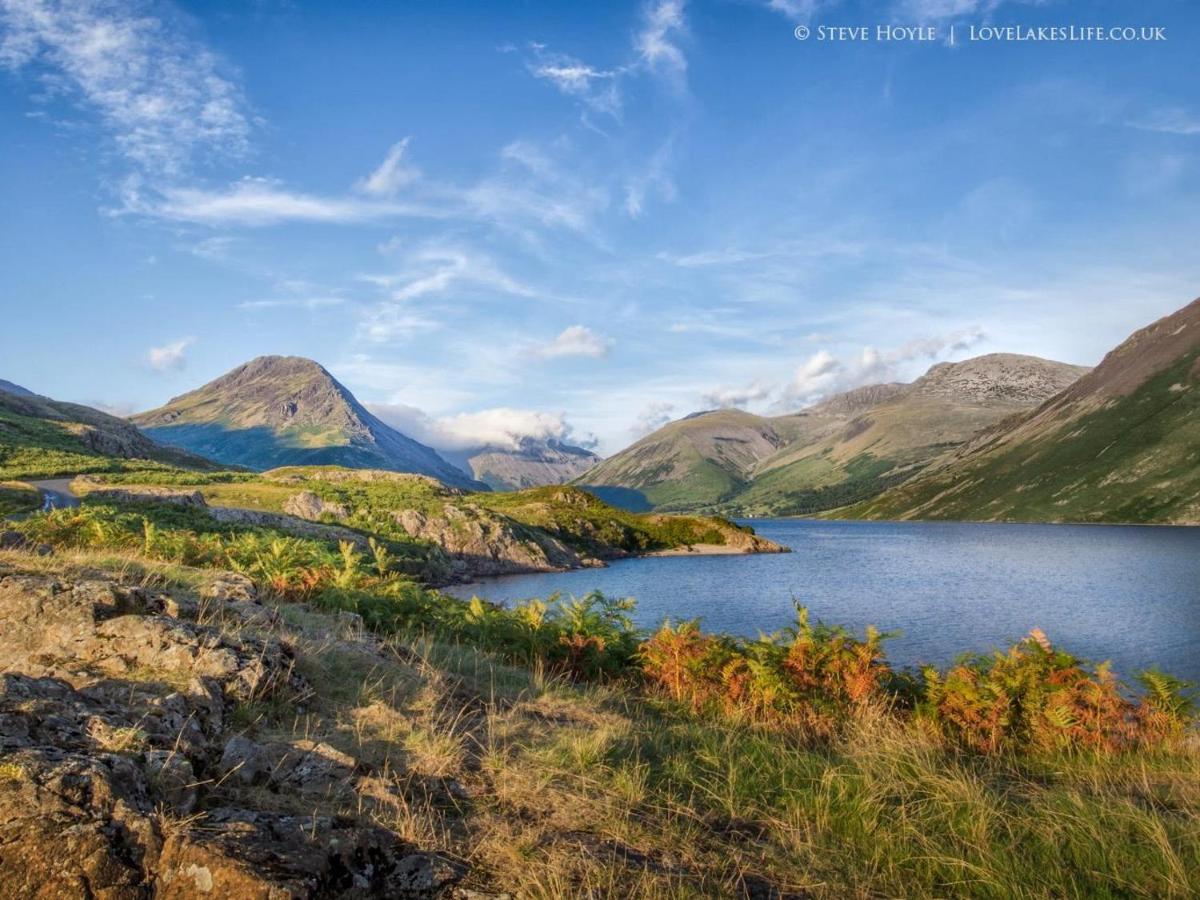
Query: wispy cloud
{"x":657,"y":41}
{"x":654,"y":179}
{"x":937,"y":10}
{"x":393,"y":173}
{"x":597,"y":88}
{"x":577,"y":340}
{"x":293,"y":303}
{"x":796,"y":10}
{"x":529,"y":190}
{"x":170,"y":357}
{"x":428,"y":272}
{"x":727,"y":397}
{"x":651,"y":417}
{"x":1168,"y":121}
{"x":261,"y":201}
{"x":160,"y":94}
{"x":435,"y":269}
{"x":815,"y":247}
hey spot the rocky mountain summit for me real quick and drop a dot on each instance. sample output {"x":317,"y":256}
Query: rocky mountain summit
{"x":1119,"y":444}
{"x":998,"y":378}
{"x":847,"y":447}
{"x":287,"y":410}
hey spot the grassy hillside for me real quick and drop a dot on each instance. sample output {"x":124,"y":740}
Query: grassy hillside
{"x":1122,"y":445}
{"x":371,"y":501}
{"x":554,"y":751}
{"x":41,"y":438}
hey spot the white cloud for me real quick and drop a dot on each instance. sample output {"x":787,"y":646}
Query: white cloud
{"x":823,"y":374}
{"x":797,"y":10}
{"x":657,"y":43}
{"x":452,"y":267}
{"x":656,"y":178}
{"x":170,"y":357}
{"x":393,"y":173}
{"x":260,"y":201}
{"x":816,"y":376}
{"x":214,"y":249}
{"x":652,"y":417}
{"x":1168,"y":121}
{"x":737,"y":397}
{"x":160,"y":94}
{"x":530,"y":189}
{"x":577,"y":340}
{"x":431,"y":271}
{"x":502,"y":427}
{"x":392,"y":322}
{"x":936,"y":10}
{"x":293,"y":303}
{"x":596,"y":88}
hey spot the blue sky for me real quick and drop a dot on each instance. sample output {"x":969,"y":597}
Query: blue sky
{"x":496,"y":219}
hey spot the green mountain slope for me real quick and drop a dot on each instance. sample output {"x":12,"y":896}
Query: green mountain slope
{"x":691,"y":463}
{"x":1120,"y":445}
{"x":279,"y":411}
{"x":42,"y":438}
{"x":845,"y":449}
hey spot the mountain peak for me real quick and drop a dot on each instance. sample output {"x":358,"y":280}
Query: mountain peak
{"x":998,"y":378}
{"x":288,"y":410}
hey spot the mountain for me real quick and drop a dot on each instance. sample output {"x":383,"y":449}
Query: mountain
{"x":849,"y":447}
{"x":534,"y":462}
{"x":42,"y":438}
{"x":15,"y":389}
{"x":1121,"y":444}
{"x":285,"y":410}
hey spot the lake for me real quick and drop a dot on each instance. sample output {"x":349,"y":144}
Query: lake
{"x":1126,"y":593}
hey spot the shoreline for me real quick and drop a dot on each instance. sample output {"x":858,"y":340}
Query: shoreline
{"x":708,"y":550}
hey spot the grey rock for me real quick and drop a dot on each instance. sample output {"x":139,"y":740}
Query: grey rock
{"x":308,"y":505}
{"x":244,"y":761}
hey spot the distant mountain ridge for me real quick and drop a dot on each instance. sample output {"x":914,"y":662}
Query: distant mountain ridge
{"x":286,"y":410}
{"x":1121,"y":444}
{"x":848,"y":447}
{"x":534,"y":462}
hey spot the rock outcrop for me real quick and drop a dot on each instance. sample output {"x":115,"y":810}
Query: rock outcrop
{"x":118,"y":755}
{"x":308,"y":505}
{"x":481,"y":542}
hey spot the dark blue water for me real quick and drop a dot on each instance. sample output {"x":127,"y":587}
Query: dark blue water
{"x":1128,"y":594}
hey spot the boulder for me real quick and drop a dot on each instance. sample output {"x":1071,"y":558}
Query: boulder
{"x":308,"y":505}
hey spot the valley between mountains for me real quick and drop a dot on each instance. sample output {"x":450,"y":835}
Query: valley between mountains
{"x":996,"y":437}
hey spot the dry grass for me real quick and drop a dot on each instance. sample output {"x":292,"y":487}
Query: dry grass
{"x":551,"y":790}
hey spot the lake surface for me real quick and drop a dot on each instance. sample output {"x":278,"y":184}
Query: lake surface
{"x":1129,"y":594}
